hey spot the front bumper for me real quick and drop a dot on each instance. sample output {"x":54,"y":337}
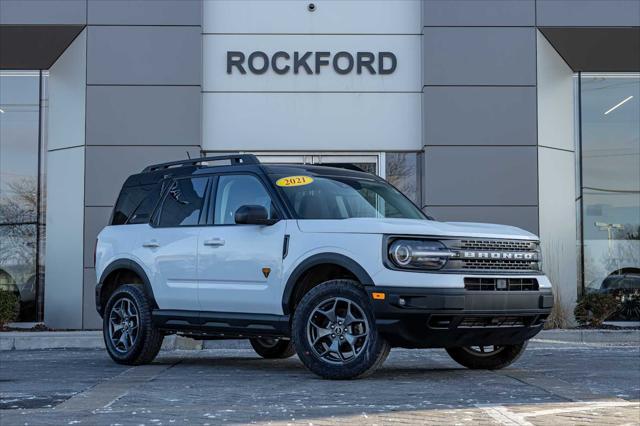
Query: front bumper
{"x":415,"y":317}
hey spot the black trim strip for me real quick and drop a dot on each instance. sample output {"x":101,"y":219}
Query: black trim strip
{"x":222,"y":323}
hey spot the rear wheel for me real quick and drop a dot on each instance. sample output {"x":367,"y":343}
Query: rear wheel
{"x":489,"y":357}
{"x":273,"y":348}
{"x":129,"y":334}
{"x":335,"y":334}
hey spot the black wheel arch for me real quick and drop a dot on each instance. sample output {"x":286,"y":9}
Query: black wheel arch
{"x":322,"y":259}
{"x":118,"y":266}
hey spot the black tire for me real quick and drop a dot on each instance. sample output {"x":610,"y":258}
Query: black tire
{"x":501,"y":357}
{"x":273,"y":348}
{"x":347,"y":294}
{"x":144,"y":346}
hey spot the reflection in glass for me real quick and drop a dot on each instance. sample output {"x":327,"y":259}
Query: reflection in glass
{"x":21,"y":212}
{"x":403,"y":172}
{"x":610,"y":119}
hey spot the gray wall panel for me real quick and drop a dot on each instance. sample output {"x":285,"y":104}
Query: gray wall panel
{"x":522,"y":217}
{"x":479,"y":56}
{"x":144,"y":55}
{"x":478,"y":12}
{"x":479,"y":116}
{"x":107,"y":167}
{"x":143,"y":115}
{"x":33,"y":12}
{"x":588,"y":13}
{"x":489,"y":176}
{"x":95,"y":218}
{"x":90,"y":318}
{"x":145,"y":12}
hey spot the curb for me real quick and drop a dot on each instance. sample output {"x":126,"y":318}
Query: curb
{"x":16,"y":340}
{"x":35,"y":340}
{"x":603,"y":337}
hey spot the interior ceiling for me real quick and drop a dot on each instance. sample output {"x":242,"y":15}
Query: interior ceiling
{"x":34,"y":46}
{"x":597,"y":49}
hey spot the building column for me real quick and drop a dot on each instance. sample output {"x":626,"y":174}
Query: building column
{"x":556,"y":171}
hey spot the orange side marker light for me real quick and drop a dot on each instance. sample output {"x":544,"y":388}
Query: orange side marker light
{"x":378,"y":296}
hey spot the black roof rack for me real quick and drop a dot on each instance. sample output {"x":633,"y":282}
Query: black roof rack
{"x":235,"y":159}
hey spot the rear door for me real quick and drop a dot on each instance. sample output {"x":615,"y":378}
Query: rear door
{"x":240,"y":266}
{"x":171,"y":243}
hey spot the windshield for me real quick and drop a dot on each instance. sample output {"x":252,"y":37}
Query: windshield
{"x":344,"y":197}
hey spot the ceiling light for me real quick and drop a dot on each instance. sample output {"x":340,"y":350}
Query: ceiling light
{"x":618,"y":105}
{"x":1,"y":111}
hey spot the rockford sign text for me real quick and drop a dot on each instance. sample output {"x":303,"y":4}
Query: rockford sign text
{"x":311,"y":62}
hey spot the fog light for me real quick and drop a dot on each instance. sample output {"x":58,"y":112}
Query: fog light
{"x":402,"y":302}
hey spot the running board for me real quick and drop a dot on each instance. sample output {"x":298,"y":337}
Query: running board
{"x":222,"y":324}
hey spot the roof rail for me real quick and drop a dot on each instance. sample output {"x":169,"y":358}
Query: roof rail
{"x":235,"y":159}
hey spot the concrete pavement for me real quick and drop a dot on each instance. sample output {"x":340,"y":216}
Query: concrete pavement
{"x":551,"y":384}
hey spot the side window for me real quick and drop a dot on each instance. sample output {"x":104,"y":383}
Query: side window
{"x":184,"y":203}
{"x":235,"y":191}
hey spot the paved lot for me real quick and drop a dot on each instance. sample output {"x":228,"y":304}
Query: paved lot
{"x":552,"y":384}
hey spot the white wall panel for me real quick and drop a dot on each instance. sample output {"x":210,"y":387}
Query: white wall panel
{"x":406,"y":77}
{"x":64,"y":237}
{"x":67,"y":78}
{"x":558,"y":221}
{"x":555,"y":98}
{"x":306,"y":122}
{"x":330,"y":17}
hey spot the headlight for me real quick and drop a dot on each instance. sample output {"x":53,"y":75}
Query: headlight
{"x":418,"y":254}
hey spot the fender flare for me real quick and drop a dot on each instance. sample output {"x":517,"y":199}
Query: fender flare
{"x":318,"y":259}
{"x":124,"y":264}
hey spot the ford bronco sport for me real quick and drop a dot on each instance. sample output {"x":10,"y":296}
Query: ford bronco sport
{"x":332,"y":264}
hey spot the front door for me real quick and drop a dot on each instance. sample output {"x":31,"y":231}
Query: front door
{"x":240,"y":266}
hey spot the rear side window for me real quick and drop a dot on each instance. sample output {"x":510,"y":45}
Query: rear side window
{"x":184,"y":203}
{"x":135,"y":204}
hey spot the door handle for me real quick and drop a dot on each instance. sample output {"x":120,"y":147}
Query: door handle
{"x":214,"y":242}
{"x":151,"y":244}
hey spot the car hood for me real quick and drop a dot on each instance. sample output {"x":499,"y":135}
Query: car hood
{"x":414,"y":227}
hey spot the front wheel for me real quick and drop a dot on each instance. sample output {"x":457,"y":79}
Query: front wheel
{"x":128,"y":331}
{"x":273,"y":348}
{"x":335,"y":334}
{"x":489,"y":357}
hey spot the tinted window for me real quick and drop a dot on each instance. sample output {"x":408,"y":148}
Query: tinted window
{"x":138,"y":199}
{"x":184,"y":202}
{"x":235,"y":191}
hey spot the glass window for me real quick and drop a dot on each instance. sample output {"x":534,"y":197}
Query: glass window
{"x":343,"y":197}
{"x":184,"y":202}
{"x":135,"y":204}
{"x":21,"y":192}
{"x":403,"y":171}
{"x":235,"y":191}
{"x":610,"y":154}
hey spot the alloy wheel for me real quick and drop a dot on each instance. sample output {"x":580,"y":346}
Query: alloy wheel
{"x":481,"y":351}
{"x":338,"y":330}
{"x":124,"y":324}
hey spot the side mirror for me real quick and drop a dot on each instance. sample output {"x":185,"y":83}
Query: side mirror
{"x":253,"y":215}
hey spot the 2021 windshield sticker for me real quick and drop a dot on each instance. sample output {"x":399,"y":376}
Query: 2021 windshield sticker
{"x":294,"y":181}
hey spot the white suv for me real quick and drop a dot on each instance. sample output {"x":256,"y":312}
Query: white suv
{"x":332,"y":264}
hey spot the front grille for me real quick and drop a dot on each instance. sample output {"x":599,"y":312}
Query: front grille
{"x":509,"y":284}
{"x":498,"y":245}
{"x":493,"y":255}
{"x":497,"y":265}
